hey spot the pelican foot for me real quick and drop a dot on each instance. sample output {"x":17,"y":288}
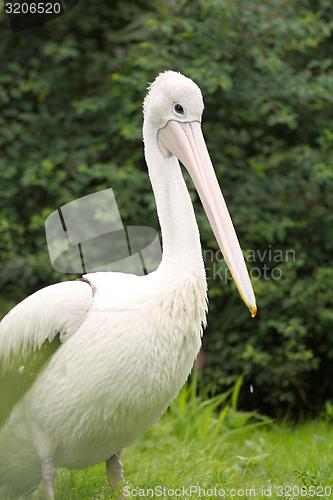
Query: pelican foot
{"x":114,"y":473}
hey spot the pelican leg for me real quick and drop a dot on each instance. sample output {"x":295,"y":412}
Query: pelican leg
{"x":114,"y":473}
{"x":48,"y":474}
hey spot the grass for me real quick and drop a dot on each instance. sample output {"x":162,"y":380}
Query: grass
{"x":209,"y":443}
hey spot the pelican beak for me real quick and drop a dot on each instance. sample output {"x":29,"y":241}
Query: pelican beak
{"x":186,"y":142}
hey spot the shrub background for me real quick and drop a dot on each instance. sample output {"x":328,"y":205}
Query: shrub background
{"x":70,"y":124}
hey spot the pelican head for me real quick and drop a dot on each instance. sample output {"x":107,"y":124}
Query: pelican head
{"x":173,"y":108}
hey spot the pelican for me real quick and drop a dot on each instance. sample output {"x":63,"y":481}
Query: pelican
{"x":88,"y":365}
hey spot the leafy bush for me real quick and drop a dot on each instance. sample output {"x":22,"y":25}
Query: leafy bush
{"x":70,"y":121}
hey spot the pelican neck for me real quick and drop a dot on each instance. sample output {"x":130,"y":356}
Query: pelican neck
{"x":180,"y":234}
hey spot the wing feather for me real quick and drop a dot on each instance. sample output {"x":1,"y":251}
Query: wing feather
{"x":32,"y":331}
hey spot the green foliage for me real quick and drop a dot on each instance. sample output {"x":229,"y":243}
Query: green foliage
{"x":196,"y":415}
{"x":70,"y":121}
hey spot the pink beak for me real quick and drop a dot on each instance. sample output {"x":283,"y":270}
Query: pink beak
{"x":186,"y":142}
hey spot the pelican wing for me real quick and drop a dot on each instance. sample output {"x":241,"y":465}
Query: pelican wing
{"x":32,"y":331}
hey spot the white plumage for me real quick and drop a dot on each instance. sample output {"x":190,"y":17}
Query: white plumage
{"x":127,"y":343}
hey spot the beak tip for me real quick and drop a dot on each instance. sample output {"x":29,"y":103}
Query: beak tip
{"x":253,"y":311}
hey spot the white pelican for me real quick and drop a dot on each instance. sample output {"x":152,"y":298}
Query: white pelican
{"x":88,"y":365}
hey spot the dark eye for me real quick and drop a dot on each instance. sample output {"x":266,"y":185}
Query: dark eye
{"x":178,"y":109}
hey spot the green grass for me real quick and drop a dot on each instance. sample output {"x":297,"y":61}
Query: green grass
{"x":210,"y":443}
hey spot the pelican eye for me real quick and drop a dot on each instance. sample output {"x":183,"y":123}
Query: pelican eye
{"x":178,"y":109}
